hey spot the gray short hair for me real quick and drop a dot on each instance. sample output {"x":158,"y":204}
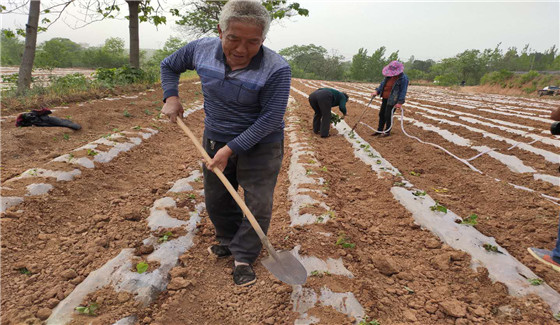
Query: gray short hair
{"x":246,"y":11}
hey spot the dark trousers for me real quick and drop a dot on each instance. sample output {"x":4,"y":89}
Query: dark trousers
{"x":320,"y":100}
{"x":385,"y":116}
{"x":256,"y":172}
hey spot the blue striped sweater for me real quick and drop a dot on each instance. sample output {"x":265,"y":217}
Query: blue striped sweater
{"x":243,"y":107}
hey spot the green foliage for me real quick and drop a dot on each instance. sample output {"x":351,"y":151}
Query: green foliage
{"x":141,"y":267}
{"x":60,"y":53}
{"x":335,"y":119}
{"x":344,"y":242}
{"x":200,"y":17}
{"x":496,"y":77}
{"x":11,"y":50}
{"x":91,"y":152}
{"x":24,"y":270}
{"x":470,"y":220}
{"x":438,"y":207}
{"x":320,"y":274}
{"x":89,"y":310}
{"x":165,"y":237}
{"x":490,"y":248}
{"x":535,"y":282}
{"x":123,"y":75}
{"x":313,"y":62}
{"x":366,"y":321}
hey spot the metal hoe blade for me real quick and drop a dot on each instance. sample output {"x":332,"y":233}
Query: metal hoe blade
{"x":286,"y":268}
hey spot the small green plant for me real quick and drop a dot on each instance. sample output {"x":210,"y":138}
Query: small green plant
{"x":344,"y":242}
{"x":165,"y":237}
{"x":68,"y":117}
{"x":331,"y":214}
{"x":320,"y":274}
{"x":24,"y":270}
{"x":352,"y":135}
{"x":66,"y":136}
{"x":148,"y":112}
{"x":141,"y":267}
{"x":192,"y":196}
{"x":535,"y":282}
{"x":324,"y":168}
{"x":557,"y":316}
{"x":365,"y":321}
{"x":413,"y":173}
{"x":308,"y":172}
{"x":91,"y":152}
{"x":490,"y":248}
{"x":320,"y":219}
{"x":438,"y":207}
{"x":137,"y":127}
{"x":70,"y":156}
{"x":311,"y":161}
{"x":401,"y":184}
{"x":335,"y":119}
{"x":378,"y":162}
{"x":419,"y":193}
{"x":88,"y":310}
{"x":470,"y":220}
{"x":197,"y":180}
{"x":126,"y":113}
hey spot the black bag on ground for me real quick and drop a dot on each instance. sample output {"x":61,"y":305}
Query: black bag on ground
{"x":41,"y":118}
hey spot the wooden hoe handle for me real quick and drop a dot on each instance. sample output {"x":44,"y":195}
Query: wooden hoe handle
{"x":227,"y":184}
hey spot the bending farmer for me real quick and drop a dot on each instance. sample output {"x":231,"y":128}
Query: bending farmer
{"x":246,"y":88}
{"x":321,"y":100}
{"x":392,"y":91}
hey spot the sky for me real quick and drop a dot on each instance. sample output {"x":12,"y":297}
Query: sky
{"x":427,"y":30}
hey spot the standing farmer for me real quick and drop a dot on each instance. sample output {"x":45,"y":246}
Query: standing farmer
{"x":393,"y":91}
{"x":246,"y":88}
{"x":321,"y":100}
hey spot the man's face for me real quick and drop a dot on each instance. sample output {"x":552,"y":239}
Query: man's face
{"x":240,"y":43}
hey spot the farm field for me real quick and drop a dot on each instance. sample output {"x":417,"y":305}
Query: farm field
{"x":376,"y":221}
{"x":40,"y":76}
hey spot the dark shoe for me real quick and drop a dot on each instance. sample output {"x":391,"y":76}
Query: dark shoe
{"x":243,"y":275}
{"x":324,"y":136}
{"x":375,"y":134}
{"x":385,"y":135}
{"x":219,"y":250}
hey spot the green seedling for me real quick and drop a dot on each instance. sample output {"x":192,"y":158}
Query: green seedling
{"x":87,"y":310}
{"x":126,"y":113}
{"x":165,"y":237}
{"x":490,"y":248}
{"x":440,"y":190}
{"x":438,"y":207}
{"x":352,"y":135}
{"x":320,"y":219}
{"x":141,"y":267}
{"x":148,"y":112}
{"x":365,"y":321}
{"x":408,"y":289}
{"x":197,"y":180}
{"x":557,"y":316}
{"x":419,"y":193}
{"x":24,"y":270}
{"x":470,"y":220}
{"x":343,"y":241}
{"x":378,"y":162}
{"x":192,"y":196}
{"x":320,"y":274}
{"x":324,"y":168}
{"x":371,"y":155}
{"x":535,"y":282}
{"x":137,"y":127}
{"x":70,"y":156}
{"x":413,"y":173}
{"x":401,"y":184}
{"x":335,"y":119}
{"x":331,"y":214}
{"x":115,"y":130}
{"x":308,"y":172}
{"x":311,"y":161}
{"x":66,"y":136}
{"x":91,"y":152}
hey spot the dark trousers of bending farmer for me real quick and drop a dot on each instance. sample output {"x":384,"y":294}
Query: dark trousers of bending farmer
{"x":320,"y":100}
{"x":256,"y":172}
{"x":385,"y":116}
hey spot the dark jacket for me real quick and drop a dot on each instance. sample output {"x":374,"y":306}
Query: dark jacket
{"x":398,"y":93}
{"x":338,"y":99}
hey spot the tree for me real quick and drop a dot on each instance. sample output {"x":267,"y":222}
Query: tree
{"x":11,"y":50}
{"x":358,"y":69}
{"x":60,"y":53}
{"x":200,"y":17}
{"x":24,"y":77}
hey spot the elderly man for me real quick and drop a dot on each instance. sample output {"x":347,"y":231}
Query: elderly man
{"x":246,"y":88}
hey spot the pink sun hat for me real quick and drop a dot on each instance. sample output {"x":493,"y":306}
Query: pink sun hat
{"x":393,"y":69}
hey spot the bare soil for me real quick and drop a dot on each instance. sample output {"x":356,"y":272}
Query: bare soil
{"x":402,"y":273}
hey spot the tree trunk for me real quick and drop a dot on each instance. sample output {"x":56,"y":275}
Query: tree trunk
{"x":26,"y":66}
{"x":134,"y":56}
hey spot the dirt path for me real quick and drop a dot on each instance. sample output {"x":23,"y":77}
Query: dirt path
{"x":395,"y":272}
